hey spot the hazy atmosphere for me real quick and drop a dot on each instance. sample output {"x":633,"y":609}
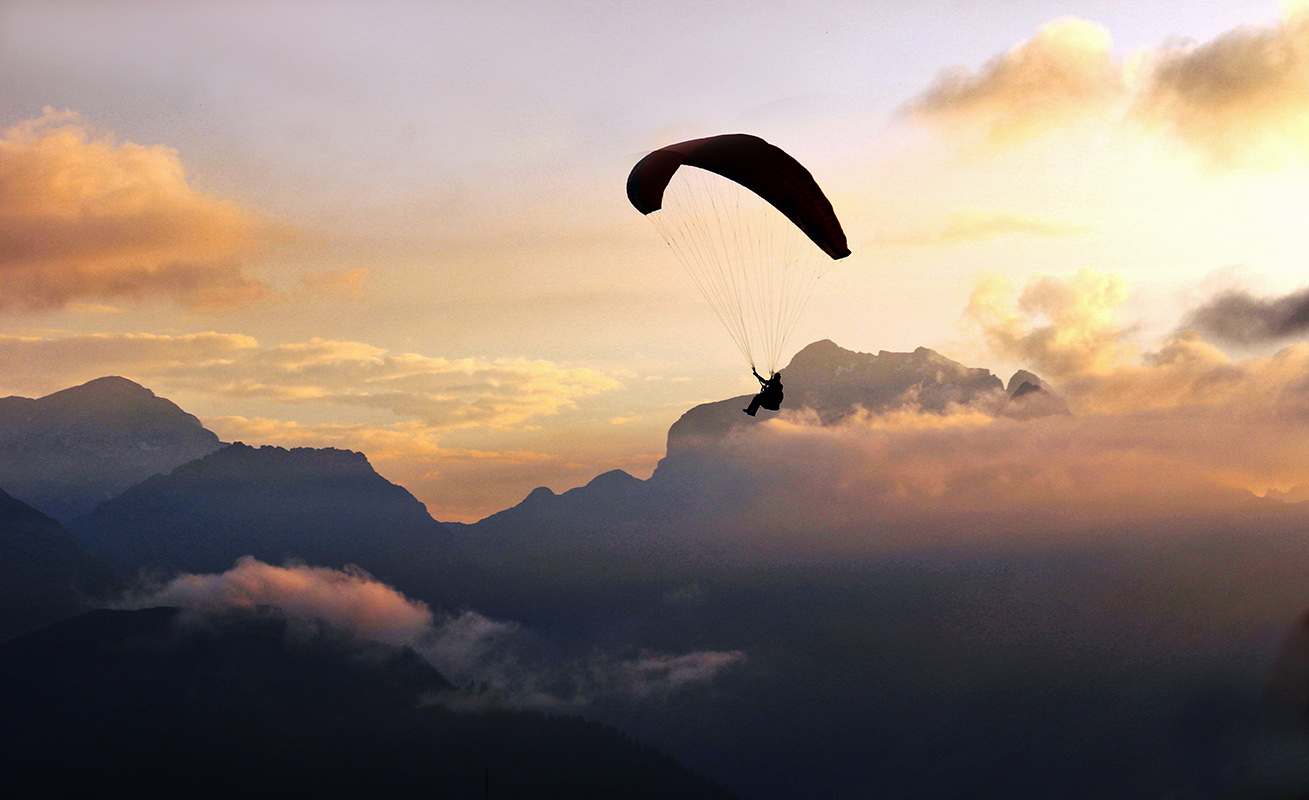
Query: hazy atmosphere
{"x":402,"y":229}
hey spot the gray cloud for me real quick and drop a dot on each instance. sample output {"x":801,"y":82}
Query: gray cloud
{"x":1238,"y":317}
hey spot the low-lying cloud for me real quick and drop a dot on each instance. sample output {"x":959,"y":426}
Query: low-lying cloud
{"x":1155,"y":441}
{"x":90,"y":218}
{"x":349,"y":600}
{"x":654,"y":675}
{"x":496,"y":662}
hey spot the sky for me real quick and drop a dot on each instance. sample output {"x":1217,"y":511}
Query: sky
{"x":401,"y":228}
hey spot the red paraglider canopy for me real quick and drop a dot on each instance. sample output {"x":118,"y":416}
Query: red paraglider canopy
{"x":755,"y":164}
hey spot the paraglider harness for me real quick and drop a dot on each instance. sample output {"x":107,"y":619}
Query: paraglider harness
{"x":770,"y":393}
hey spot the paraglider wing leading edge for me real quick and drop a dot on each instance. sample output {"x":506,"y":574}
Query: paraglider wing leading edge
{"x":755,"y":164}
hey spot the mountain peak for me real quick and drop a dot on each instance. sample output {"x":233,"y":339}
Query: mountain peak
{"x":68,"y":451}
{"x":835,"y":382}
{"x":108,"y":386}
{"x":1023,"y":376}
{"x":326,"y":506}
{"x":240,"y":461}
{"x":613,"y":478}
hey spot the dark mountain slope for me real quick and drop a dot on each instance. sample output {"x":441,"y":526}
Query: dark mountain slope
{"x":324,"y":506}
{"x":44,"y":574}
{"x":141,"y":703}
{"x":68,"y":451}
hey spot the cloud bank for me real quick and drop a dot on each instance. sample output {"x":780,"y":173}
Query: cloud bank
{"x":86,"y":218}
{"x":1179,"y":436}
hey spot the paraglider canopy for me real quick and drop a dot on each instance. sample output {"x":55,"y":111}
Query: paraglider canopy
{"x":755,"y":164}
{"x":751,"y":227}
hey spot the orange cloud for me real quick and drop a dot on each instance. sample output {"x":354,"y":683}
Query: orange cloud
{"x":1064,"y":73}
{"x":1181,"y":436}
{"x":441,"y":393}
{"x":1239,"y":99}
{"x":350,"y":600}
{"x":91,"y":218}
{"x":1059,"y":327}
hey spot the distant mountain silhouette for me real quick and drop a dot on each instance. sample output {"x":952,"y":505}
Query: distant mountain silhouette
{"x":44,"y":575}
{"x":68,"y":451}
{"x":324,"y":506}
{"x":140,"y":703}
{"x":616,"y":510}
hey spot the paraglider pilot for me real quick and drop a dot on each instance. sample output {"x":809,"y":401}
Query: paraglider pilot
{"x":770,"y":393}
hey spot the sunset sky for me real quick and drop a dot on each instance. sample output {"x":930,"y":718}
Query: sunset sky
{"x":401,"y":228}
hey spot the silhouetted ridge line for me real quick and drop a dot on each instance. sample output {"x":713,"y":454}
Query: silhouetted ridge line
{"x":617,"y":512}
{"x":68,"y":451}
{"x":326,"y":506}
{"x":142,"y":703}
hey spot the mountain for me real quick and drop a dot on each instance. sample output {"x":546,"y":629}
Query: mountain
{"x":1276,"y":743}
{"x":68,"y":451}
{"x":616,"y":510}
{"x":834,"y":382}
{"x":149,"y":703}
{"x":324,"y":506}
{"x":44,"y":574}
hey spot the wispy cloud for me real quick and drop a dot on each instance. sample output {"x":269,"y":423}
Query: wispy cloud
{"x":87,"y":218}
{"x":973,"y":226}
{"x":494,"y":660}
{"x":350,"y":283}
{"x":438,"y":392}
